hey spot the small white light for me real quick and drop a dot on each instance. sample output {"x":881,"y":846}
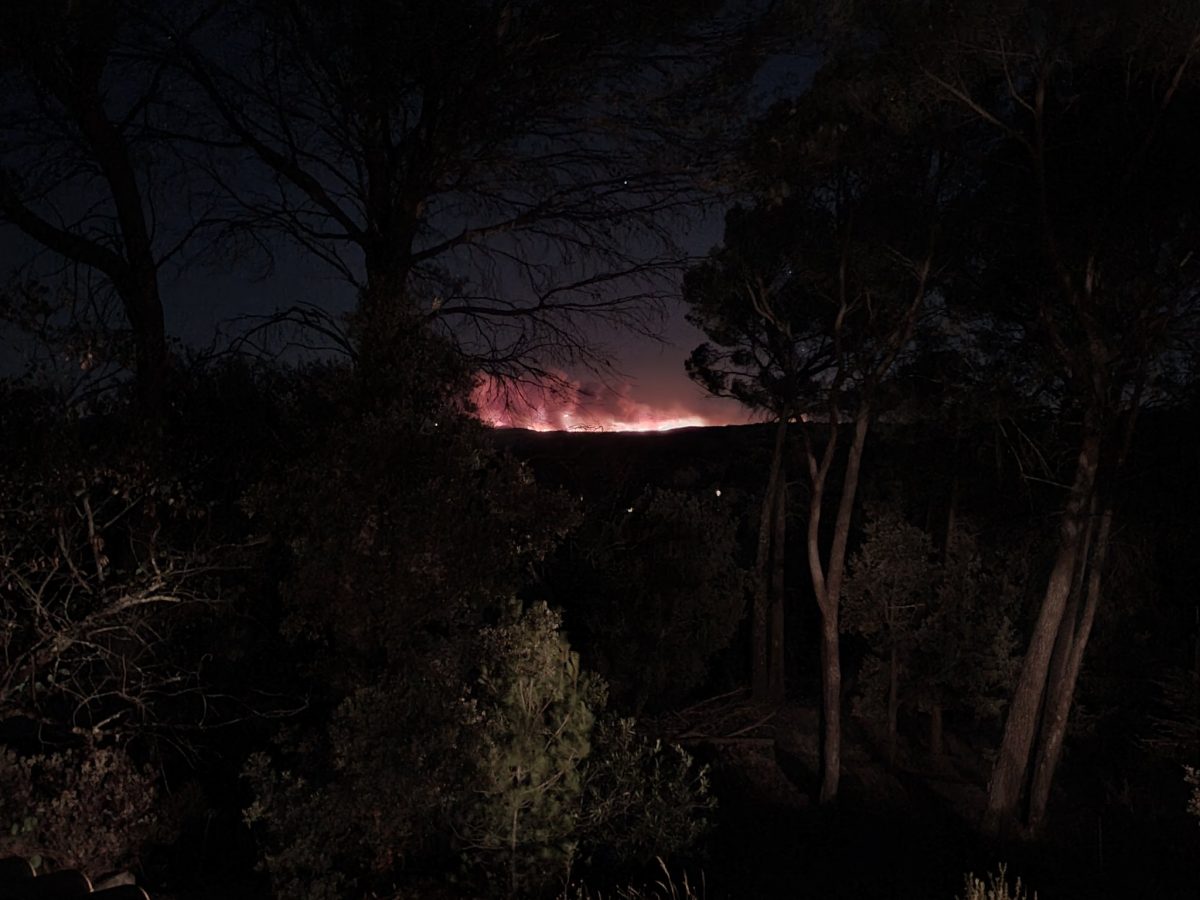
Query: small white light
{"x":629,"y":509}
{"x":718,"y":492}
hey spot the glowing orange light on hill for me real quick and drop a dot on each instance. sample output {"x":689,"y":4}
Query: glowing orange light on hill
{"x":572,"y":406}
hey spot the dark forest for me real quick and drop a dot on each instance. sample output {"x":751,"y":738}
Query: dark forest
{"x":283,"y":613}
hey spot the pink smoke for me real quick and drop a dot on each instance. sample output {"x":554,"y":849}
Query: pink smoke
{"x":572,"y":405}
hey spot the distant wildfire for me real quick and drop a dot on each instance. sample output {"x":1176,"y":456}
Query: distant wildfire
{"x":580,"y":406}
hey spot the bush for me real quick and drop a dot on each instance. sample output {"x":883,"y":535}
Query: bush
{"x":512,"y":771}
{"x":343,"y":808}
{"x":641,"y":798}
{"x":537,"y":712}
{"x":87,"y":808}
{"x":947,"y":626}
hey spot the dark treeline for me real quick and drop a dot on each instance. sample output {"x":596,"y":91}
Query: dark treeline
{"x":281,"y":617}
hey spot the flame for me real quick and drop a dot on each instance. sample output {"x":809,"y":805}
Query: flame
{"x":570,"y":405}
{"x":655,"y":424}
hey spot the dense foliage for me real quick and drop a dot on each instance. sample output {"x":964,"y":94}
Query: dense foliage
{"x":658,"y":590}
{"x":87,"y":808}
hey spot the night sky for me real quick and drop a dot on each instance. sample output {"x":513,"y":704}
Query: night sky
{"x":208,"y":304}
{"x":648,"y":388}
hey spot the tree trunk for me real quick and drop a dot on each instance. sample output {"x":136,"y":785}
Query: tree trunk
{"x":937,"y":741}
{"x":1061,"y":693}
{"x":951,"y":520}
{"x":831,"y":708}
{"x":1064,"y":644}
{"x":143,"y":309}
{"x":383,"y":321}
{"x":138,"y":284}
{"x":130,"y":265}
{"x":1012,"y":761}
{"x":893,"y":704}
{"x":827,"y":586}
{"x":512,"y":854}
{"x":776,"y":682}
{"x":760,"y":655}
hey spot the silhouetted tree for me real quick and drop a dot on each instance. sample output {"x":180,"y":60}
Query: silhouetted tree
{"x":817,"y":291}
{"x":497,"y":169}
{"x":80,"y":170}
{"x":1085,"y":119}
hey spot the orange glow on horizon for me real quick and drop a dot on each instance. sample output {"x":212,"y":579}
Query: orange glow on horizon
{"x":644,"y":425}
{"x":572,"y":406}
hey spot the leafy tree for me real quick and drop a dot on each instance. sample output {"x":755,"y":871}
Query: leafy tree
{"x":1175,"y":734}
{"x":1193,"y":778}
{"x":398,"y":531}
{"x":942,"y":631}
{"x":967,"y":654}
{"x":1084,"y":120}
{"x":816,"y":293}
{"x":342,"y":809}
{"x":889,"y":587}
{"x":512,"y":770}
{"x":115,"y":585}
{"x":538,"y":710}
{"x":752,"y":357}
{"x":642,"y":799}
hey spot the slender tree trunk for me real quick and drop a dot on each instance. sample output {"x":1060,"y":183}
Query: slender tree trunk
{"x":1061,"y":693}
{"x":893,"y":704}
{"x":138,"y":284}
{"x":951,"y":519}
{"x":827,"y":586}
{"x":760,"y":657}
{"x":1012,"y":761}
{"x":1064,"y":644}
{"x":831,"y":708}
{"x":1066,"y":629}
{"x":937,"y":740}
{"x":512,"y":854}
{"x":776,"y":682}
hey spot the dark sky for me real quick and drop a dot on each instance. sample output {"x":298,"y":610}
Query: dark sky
{"x":650,"y":390}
